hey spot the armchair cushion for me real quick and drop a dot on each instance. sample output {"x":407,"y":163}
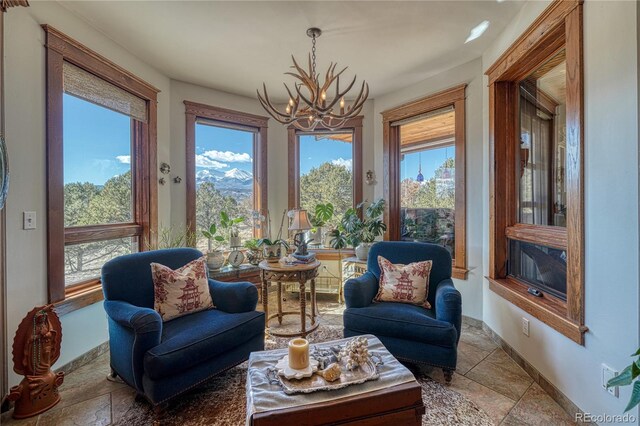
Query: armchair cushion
{"x":401,"y":321}
{"x":193,"y":339}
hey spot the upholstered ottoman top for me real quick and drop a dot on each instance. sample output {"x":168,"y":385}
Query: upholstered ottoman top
{"x":265,"y":396}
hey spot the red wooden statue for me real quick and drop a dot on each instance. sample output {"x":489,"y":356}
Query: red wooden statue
{"x":36,"y":348}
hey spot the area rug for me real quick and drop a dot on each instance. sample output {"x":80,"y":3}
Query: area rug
{"x":222,"y":400}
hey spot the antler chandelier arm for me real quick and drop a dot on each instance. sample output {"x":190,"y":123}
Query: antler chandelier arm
{"x":306,"y":111}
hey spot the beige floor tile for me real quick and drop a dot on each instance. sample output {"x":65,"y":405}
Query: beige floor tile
{"x":536,"y":408}
{"x":477,"y":337}
{"x":96,"y":411}
{"x":469,"y":356}
{"x":88,"y":382}
{"x":121,"y":401}
{"x":502,"y":374}
{"x":6,"y":419}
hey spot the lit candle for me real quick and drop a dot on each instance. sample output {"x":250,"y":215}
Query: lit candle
{"x":298,"y":354}
{"x":323,"y":95}
{"x":342,"y":105}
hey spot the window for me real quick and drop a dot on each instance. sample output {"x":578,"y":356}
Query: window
{"x":424,"y":155}
{"x":325,"y":167}
{"x":101,"y":168}
{"x":537,"y":219}
{"x":226,"y":168}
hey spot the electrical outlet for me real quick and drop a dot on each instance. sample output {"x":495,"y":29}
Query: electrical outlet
{"x":525,"y":326}
{"x":29,"y":220}
{"x":609,"y":373}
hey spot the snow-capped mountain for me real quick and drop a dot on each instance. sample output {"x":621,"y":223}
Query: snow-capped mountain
{"x":241,"y":175}
{"x":234,"y":182}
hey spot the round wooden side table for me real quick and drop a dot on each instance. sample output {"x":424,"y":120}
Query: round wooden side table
{"x":278,"y":273}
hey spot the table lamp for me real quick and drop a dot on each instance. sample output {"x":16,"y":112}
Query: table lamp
{"x":300,"y":222}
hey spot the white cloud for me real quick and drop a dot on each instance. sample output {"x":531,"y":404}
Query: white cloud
{"x":124,"y":159}
{"x":228,"y":156}
{"x":204,"y":161}
{"x":342,"y":162}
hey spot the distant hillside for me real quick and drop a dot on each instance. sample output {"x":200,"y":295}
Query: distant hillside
{"x":235,"y":182}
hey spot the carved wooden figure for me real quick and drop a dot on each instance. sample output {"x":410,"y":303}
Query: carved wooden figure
{"x":36,"y":348}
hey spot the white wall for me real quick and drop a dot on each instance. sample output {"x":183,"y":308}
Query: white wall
{"x":470,"y":73}
{"x":25,"y":135}
{"x":611,"y":213}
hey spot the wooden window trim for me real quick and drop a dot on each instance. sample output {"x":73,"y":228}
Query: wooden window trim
{"x":194,"y":111}
{"x":559,"y":26}
{"x":455,"y":97}
{"x":61,"y":48}
{"x":354,"y":125}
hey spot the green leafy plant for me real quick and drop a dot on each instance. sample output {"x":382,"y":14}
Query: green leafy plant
{"x":629,"y":376}
{"x":321,"y":214}
{"x":268,"y":242}
{"x":367,"y":229}
{"x":230,"y":225}
{"x":213,"y":240}
{"x":252,"y":244}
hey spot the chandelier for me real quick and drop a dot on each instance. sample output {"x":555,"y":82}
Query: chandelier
{"x":309,"y":104}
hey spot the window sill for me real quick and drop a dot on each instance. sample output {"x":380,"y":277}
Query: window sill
{"x":547,"y":309}
{"x":459,"y":273}
{"x":80,"y":298}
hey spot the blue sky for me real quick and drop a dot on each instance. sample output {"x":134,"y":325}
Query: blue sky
{"x":97,"y":142}
{"x":315,"y":152}
{"x":431,"y":160}
{"x":220,"y":149}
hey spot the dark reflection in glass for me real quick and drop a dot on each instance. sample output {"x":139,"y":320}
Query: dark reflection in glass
{"x":544,"y":268}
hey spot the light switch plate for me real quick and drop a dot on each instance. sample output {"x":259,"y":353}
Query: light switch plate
{"x":525,"y":326}
{"x":29,"y":220}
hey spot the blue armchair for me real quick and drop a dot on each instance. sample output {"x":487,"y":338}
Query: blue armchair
{"x":161,"y":360}
{"x":411,"y":333}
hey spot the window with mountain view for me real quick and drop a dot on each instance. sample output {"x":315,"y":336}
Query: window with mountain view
{"x":326,"y":172}
{"x":97,"y":183}
{"x":224,"y":176}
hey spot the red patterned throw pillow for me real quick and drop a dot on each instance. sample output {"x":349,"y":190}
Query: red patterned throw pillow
{"x":404,"y":283}
{"x":183,"y":291}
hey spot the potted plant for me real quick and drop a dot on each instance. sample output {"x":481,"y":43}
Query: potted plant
{"x":272,"y":249}
{"x":629,"y":376}
{"x":231,"y":227}
{"x":321,"y":214}
{"x":215,"y":256}
{"x":254,"y":254}
{"x":362,"y":232}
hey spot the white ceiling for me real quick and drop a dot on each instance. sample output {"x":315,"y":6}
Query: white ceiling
{"x":235,"y":46}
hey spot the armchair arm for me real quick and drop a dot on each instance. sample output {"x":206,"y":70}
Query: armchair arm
{"x":133,"y":330}
{"x":234,"y":297}
{"x":359,"y":292}
{"x":449,"y":304}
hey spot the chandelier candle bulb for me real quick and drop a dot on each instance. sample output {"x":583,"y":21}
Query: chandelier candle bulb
{"x":298,"y":354}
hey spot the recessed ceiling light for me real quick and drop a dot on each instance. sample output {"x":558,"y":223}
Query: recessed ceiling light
{"x":477,"y":31}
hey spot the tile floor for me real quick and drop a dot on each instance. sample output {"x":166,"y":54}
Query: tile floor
{"x":486,"y":375}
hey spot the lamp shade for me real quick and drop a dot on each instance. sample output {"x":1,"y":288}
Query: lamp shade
{"x":300,"y":221}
